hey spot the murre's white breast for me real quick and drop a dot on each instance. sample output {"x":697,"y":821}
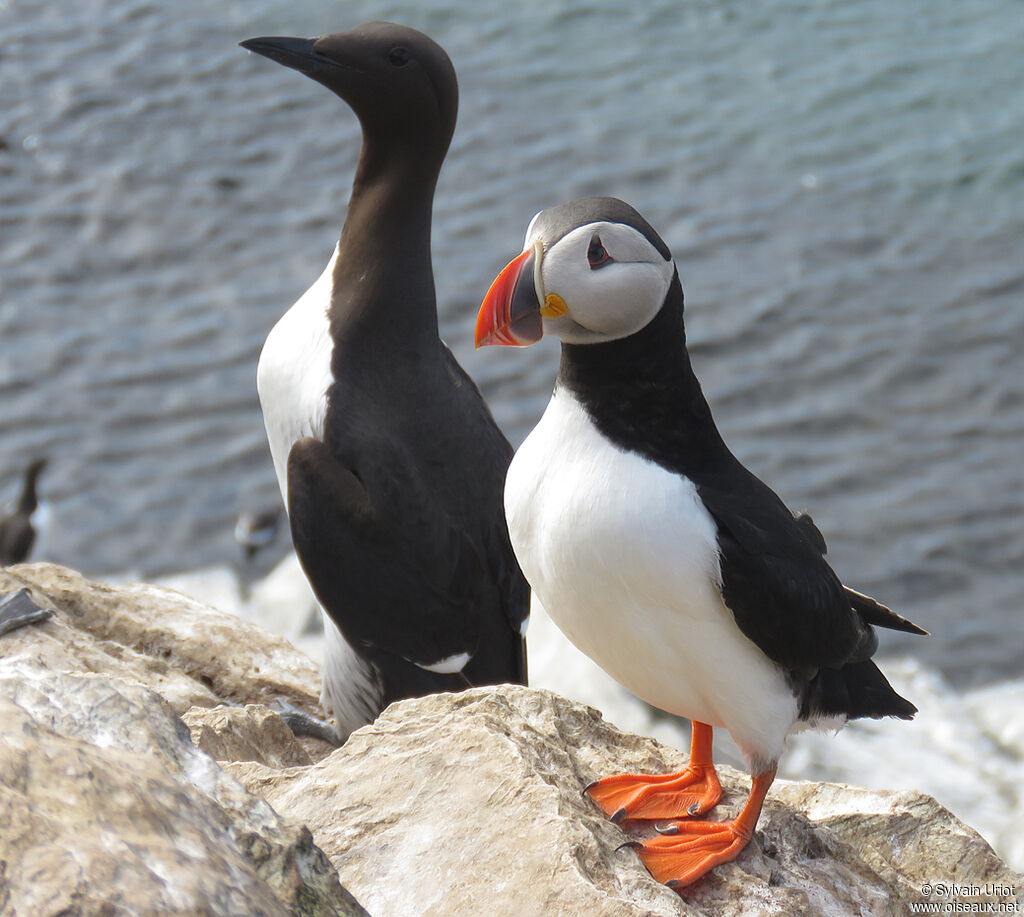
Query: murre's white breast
{"x":623,"y":555}
{"x":293,"y":377}
{"x":294,"y":373}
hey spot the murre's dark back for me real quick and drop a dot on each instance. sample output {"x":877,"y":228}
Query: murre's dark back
{"x":390,"y":462}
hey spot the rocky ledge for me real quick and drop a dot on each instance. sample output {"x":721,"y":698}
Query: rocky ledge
{"x":146,"y":769}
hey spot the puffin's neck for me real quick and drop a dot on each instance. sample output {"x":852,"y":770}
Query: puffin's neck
{"x":383,"y":283}
{"x":642,"y":388}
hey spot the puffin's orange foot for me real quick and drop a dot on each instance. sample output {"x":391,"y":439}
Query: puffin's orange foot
{"x":690,"y":849}
{"x":690,"y":792}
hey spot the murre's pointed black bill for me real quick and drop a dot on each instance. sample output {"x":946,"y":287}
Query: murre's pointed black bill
{"x":292,"y":52}
{"x":297,"y":53}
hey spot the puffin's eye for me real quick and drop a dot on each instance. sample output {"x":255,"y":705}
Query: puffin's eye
{"x":398,"y":56}
{"x":597,"y":255}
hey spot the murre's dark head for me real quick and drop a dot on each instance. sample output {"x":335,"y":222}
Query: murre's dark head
{"x":593,"y":270}
{"x":399,"y":82}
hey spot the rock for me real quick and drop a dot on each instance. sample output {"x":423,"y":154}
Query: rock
{"x":249,"y":733}
{"x":937,"y":754}
{"x":106,"y":807}
{"x":452,"y":805}
{"x":282,"y":601}
{"x":907,"y":838}
{"x":471,"y":804}
{"x":190,"y":654}
{"x":17,"y":609}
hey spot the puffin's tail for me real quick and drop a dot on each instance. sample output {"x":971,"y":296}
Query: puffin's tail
{"x":874,"y":612}
{"x":858,"y":689}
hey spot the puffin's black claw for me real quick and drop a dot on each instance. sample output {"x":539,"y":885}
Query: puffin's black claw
{"x":667,"y":829}
{"x":673,"y":884}
{"x":619,"y":815}
{"x":694,"y":809}
{"x":587,"y":788}
{"x":632,"y":845}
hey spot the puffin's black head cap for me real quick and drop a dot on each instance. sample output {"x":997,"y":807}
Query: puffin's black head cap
{"x":558,"y":221}
{"x":398,"y":81}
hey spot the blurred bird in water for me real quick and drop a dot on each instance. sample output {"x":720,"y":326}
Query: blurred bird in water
{"x":19,"y":528}
{"x":257,"y":529}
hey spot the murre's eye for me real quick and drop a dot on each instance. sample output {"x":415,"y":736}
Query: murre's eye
{"x":597,"y":254}
{"x":399,"y":56}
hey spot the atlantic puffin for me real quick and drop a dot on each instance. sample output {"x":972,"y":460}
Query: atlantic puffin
{"x":657,"y":553}
{"x":390,"y":464}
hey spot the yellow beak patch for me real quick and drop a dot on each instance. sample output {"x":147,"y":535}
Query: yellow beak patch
{"x":554,"y":306}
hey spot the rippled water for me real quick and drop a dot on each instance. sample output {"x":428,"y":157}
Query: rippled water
{"x":842,"y":186}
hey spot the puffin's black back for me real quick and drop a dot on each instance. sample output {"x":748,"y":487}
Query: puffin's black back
{"x":642,"y":394}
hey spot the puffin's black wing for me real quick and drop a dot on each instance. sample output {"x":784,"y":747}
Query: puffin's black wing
{"x":871,"y":610}
{"x":410,"y":587}
{"x":778,"y":585}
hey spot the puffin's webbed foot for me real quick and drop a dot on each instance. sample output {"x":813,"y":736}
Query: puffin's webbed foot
{"x":692,"y":791}
{"x":690,"y":849}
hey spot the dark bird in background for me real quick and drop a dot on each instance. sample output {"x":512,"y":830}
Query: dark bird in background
{"x":257,"y":529}
{"x":657,"y":553}
{"x":19,"y":528}
{"x":390,"y":463}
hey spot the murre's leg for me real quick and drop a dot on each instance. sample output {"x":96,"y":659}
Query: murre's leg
{"x":689,"y":849}
{"x":692,"y":791}
{"x":302,"y":724}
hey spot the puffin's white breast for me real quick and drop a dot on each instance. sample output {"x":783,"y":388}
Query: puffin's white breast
{"x":624,"y":557}
{"x":294,"y":373}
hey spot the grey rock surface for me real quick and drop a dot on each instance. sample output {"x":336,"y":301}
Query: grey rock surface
{"x":249,"y":733}
{"x":471,"y":804}
{"x":113,"y":711}
{"x":106,"y":805}
{"x":189,"y":653}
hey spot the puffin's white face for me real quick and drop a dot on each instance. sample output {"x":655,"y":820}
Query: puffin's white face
{"x":610,"y":280}
{"x":585,"y":284}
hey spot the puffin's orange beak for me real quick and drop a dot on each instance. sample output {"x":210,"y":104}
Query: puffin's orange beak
{"x":510,"y":313}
